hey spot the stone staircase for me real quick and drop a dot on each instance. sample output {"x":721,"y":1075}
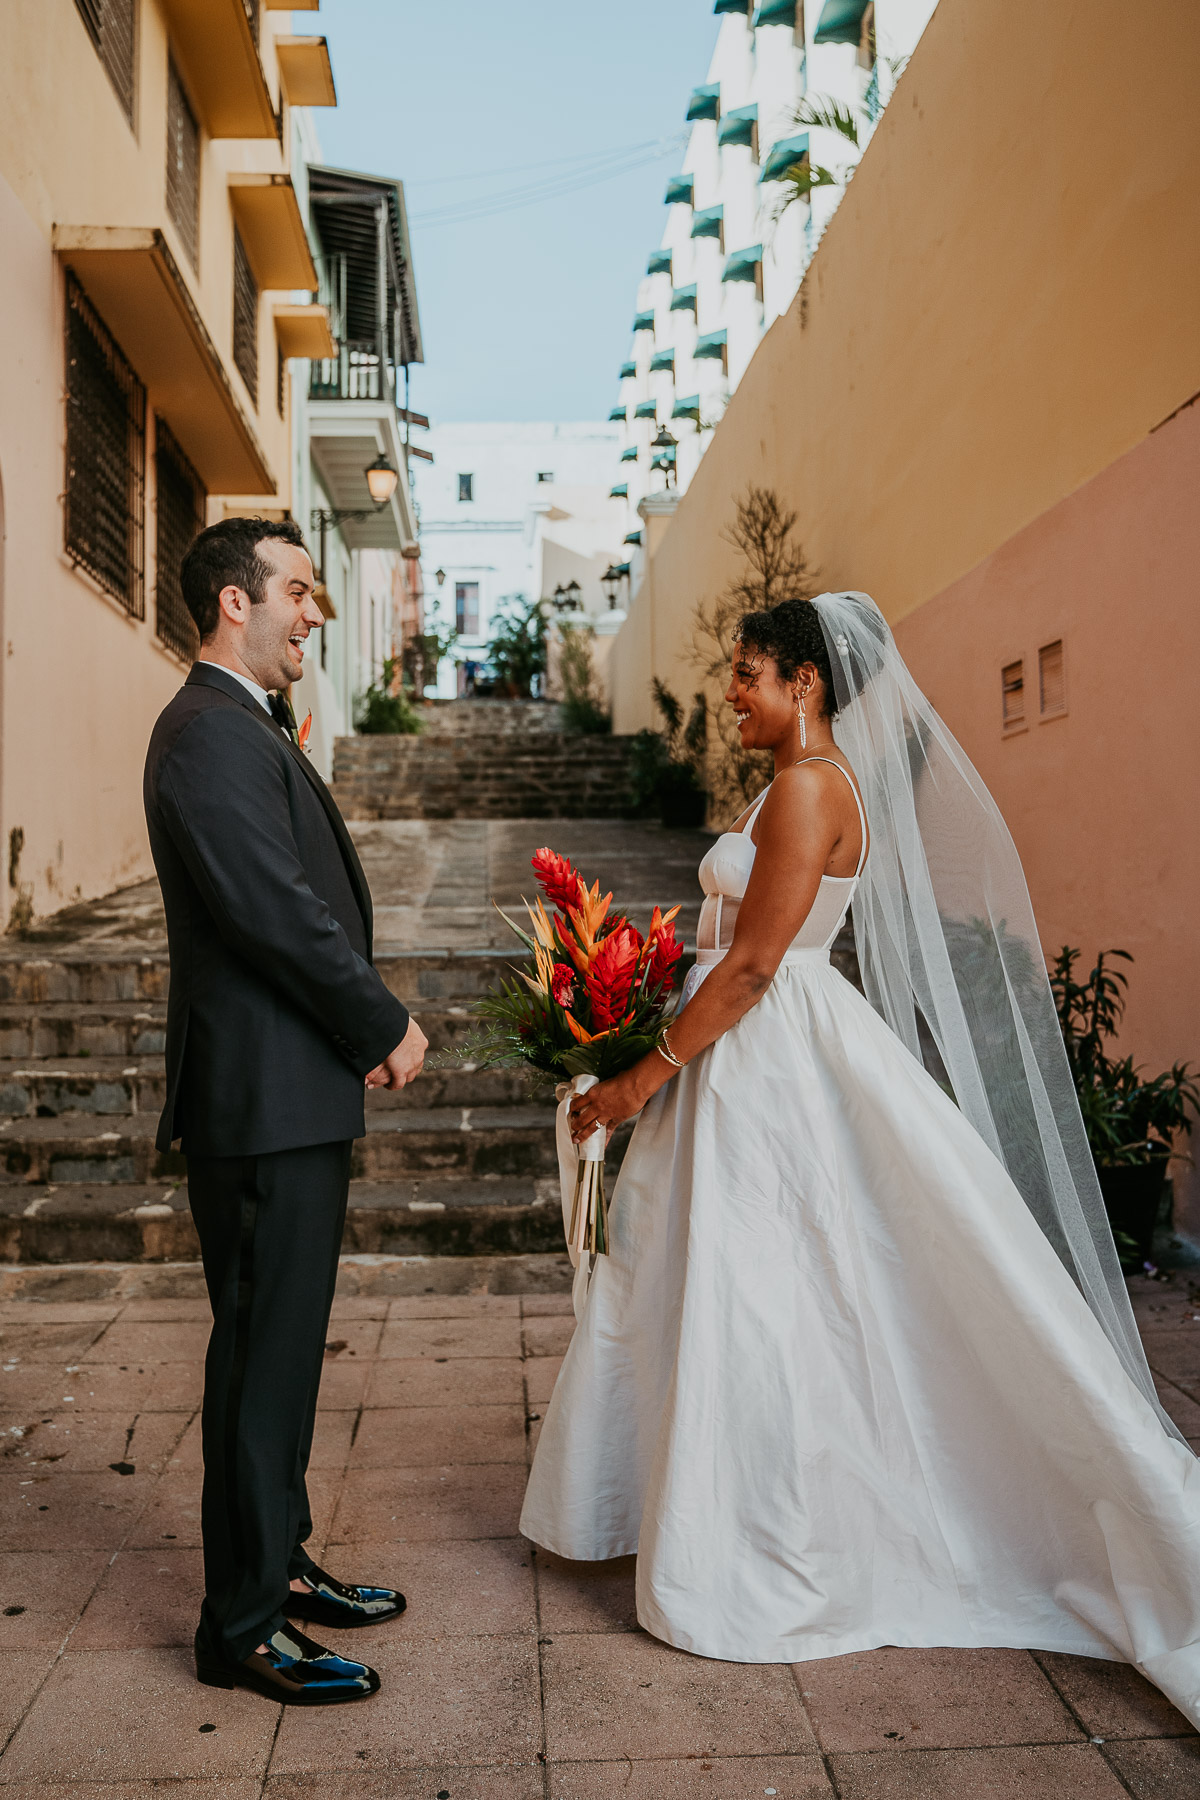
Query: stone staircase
{"x":484,"y":759}
{"x":462,"y":1163}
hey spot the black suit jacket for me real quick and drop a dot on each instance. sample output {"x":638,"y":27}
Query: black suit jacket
{"x":275,"y":1012}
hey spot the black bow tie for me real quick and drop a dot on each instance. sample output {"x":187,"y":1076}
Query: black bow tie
{"x":282,"y":713}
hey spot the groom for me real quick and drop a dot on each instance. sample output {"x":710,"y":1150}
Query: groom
{"x":276,"y":1019}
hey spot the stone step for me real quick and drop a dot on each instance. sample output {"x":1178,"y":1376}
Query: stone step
{"x":109,"y":1087}
{"x":54,"y":1030}
{"x":57,"y":1028}
{"x":487,"y":718}
{"x":435,"y":1143}
{"x":516,"y":776}
{"x":132,"y":1222}
{"x":89,"y":978}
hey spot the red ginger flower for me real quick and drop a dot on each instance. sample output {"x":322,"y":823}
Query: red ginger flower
{"x":666,"y":952}
{"x":562,"y":984}
{"x":559,"y":882}
{"x":610,"y":976}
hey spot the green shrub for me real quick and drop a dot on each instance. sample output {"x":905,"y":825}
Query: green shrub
{"x":581,"y":709}
{"x":381,"y":711}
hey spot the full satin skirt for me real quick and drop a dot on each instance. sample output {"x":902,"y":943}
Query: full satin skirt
{"x":836,"y":1390}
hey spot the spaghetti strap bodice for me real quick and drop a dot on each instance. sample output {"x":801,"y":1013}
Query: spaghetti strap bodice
{"x":725,"y":874}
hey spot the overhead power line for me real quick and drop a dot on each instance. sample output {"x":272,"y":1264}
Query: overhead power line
{"x":605,"y":166}
{"x":582,"y":156}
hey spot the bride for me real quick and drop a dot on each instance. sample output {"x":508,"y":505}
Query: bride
{"x":861,"y":1368}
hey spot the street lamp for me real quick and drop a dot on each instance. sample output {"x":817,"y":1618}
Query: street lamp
{"x":439,"y":575}
{"x":665,"y":444}
{"x":560,"y":598}
{"x":572,"y":595}
{"x":610,"y":581}
{"x":381,"y":480}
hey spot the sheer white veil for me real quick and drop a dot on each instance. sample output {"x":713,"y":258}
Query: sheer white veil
{"x":945,"y":929}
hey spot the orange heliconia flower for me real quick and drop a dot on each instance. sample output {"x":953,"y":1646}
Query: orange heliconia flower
{"x":579,"y":1034}
{"x":587,"y":918}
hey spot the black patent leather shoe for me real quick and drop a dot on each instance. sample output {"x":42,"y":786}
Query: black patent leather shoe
{"x":293,"y":1670}
{"x":336,"y":1606}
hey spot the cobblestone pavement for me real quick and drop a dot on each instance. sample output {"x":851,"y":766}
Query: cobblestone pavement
{"x":513,"y":1676}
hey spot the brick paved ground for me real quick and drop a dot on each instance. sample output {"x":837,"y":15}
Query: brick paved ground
{"x":513,"y":1676}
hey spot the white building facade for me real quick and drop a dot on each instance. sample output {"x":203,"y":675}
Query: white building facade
{"x":512,"y":512}
{"x":730,"y":259}
{"x":348,"y":413}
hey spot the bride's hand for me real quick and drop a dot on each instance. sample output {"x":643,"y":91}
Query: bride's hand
{"x":606,"y":1104}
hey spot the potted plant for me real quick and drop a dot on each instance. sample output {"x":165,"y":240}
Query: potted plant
{"x":1132,"y":1120}
{"x":666,"y":767}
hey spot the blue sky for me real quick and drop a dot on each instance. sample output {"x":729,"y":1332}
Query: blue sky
{"x":525,"y":310}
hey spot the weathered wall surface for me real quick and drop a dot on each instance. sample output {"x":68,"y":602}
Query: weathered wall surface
{"x":1102,"y":799}
{"x":80,"y":683}
{"x":1003,"y":305}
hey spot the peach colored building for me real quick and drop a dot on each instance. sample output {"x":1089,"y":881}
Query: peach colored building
{"x":982,"y":405}
{"x":156,"y":281}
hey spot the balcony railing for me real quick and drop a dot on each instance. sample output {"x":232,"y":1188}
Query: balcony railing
{"x":357,"y":372}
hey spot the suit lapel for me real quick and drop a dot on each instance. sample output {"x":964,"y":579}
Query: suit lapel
{"x":345,"y":841}
{"x":205,"y":674}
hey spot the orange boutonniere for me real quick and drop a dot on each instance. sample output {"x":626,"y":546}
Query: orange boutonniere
{"x":302,"y":732}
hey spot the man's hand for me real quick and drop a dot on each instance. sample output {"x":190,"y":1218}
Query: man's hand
{"x":404,"y":1063}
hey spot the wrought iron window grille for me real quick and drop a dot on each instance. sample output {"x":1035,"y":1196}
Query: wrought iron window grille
{"x":111,"y":25}
{"x":104,"y":522}
{"x":245,"y":317}
{"x":179,"y":515}
{"x":183,"y":164}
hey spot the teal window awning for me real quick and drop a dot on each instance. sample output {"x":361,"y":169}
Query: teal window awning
{"x":708,"y":222}
{"x":737,"y":127}
{"x":659,"y":263}
{"x":646,"y":409}
{"x":840,"y":22}
{"x":705,"y":103}
{"x":617,"y":416}
{"x":662,"y":359}
{"x":628,"y":371}
{"x":680,"y":189}
{"x":643,"y":321}
{"x":620,"y":491}
{"x":629,"y":455}
{"x":742,"y":265}
{"x":684,"y":299}
{"x":621,"y":568}
{"x":784,"y":156}
{"x":711,"y":344}
{"x":688,"y":408}
{"x":776,"y":12}
{"x":733,"y":6}
{"x":633,"y":537}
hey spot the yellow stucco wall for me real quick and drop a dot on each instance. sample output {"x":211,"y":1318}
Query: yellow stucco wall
{"x":80,"y":682}
{"x":1004,"y":303}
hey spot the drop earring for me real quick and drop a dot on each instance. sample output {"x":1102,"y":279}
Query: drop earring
{"x":800,"y":715}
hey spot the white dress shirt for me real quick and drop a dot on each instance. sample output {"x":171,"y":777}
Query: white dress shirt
{"x":252,"y":687}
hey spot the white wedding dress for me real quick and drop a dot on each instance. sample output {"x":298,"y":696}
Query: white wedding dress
{"x":834,"y":1386}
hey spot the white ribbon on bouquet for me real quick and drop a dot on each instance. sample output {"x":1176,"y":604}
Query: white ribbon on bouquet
{"x":570,"y":1155}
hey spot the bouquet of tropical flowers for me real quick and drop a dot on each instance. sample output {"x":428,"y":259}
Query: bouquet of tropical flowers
{"x":592,"y":1001}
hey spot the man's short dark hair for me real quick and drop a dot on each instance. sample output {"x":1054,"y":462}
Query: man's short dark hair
{"x":227,"y":555}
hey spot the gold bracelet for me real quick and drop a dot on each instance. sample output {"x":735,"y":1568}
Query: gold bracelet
{"x":665,"y":1050}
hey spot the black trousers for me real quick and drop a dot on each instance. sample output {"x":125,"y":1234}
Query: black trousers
{"x":270,"y":1229}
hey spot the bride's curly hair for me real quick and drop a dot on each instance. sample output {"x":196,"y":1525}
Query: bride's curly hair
{"x":791,"y":633}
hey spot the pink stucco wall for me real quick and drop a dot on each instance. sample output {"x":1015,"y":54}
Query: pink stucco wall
{"x":1104,"y":801}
